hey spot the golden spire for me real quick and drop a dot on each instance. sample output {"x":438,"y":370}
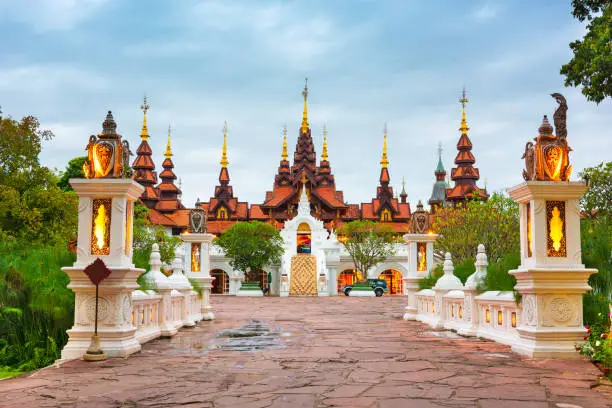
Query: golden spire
{"x":168,"y":152}
{"x":284,"y":154}
{"x":463,"y":100}
{"x":304,"y":127}
{"x":224,"y":160}
{"x":324,"y":153}
{"x":144,"y":133}
{"x":384,"y":161}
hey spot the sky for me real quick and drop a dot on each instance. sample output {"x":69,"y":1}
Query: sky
{"x":368,"y":62}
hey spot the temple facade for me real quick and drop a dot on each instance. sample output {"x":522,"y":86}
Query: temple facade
{"x":302,"y":189}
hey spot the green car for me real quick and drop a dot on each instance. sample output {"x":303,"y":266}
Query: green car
{"x":379,"y":286}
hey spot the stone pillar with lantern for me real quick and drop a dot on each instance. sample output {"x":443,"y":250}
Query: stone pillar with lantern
{"x":105,"y":231}
{"x":420,"y":257}
{"x":198,"y":257}
{"x":551,"y":278}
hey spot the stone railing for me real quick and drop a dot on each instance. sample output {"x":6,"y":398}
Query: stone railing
{"x":171,"y":305}
{"x":450,"y":305}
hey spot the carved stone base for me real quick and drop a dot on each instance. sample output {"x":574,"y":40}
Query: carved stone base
{"x":206,"y":284}
{"x":114,"y":343}
{"x":549,"y":343}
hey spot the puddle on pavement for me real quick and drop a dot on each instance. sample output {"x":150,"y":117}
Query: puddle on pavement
{"x":445,"y":335}
{"x":255,"y":335}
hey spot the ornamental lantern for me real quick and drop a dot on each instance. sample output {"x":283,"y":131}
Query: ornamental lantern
{"x":107,"y":155}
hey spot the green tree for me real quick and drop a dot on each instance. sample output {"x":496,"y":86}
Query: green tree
{"x":597,"y":198}
{"x":250,"y":246}
{"x":146,"y":234}
{"x":494,"y":223}
{"x":591,"y":66}
{"x":33,"y":209}
{"x":74,"y":169}
{"x":368,"y":243}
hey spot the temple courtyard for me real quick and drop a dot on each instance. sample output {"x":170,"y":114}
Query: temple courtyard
{"x":313,"y":352}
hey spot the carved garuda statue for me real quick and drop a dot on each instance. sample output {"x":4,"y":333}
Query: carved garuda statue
{"x":107,"y":155}
{"x":197,"y":221}
{"x":548,"y":158}
{"x":420,"y":220}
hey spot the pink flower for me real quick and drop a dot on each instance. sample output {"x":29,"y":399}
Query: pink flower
{"x":604,"y":335}
{"x":586,"y":337}
{"x":586,"y":326}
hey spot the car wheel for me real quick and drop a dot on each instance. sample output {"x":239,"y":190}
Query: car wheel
{"x":379,"y":292}
{"x":347,"y":291}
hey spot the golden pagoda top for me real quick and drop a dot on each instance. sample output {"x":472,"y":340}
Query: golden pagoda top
{"x":324,"y":153}
{"x":284,"y":154}
{"x":168,"y":152}
{"x":463,"y":100}
{"x":304,"y":126}
{"x":384,"y":161}
{"x":224,"y":161}
{"x":144,"y":133}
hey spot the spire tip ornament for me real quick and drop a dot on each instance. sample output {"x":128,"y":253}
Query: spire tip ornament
{"x":144,"y":133}
{"x":284,"y":154}
{"x":384,"y":161}
{"x":304,"y":128}
{"x":168,"y":152}
{"x":463,"y":100}
{"x":324,"y":152}
{"x":224,"y":162}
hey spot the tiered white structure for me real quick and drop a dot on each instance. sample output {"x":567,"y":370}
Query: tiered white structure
{"x":111,"y":241}
{"x":551,"y":277}
{"x":197,"y":248}
{"x":420,"y":262}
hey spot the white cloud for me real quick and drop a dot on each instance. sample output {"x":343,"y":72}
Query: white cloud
{"x":51,"y":15}
{"x":46,"y":77}
{"x":485,"y":12}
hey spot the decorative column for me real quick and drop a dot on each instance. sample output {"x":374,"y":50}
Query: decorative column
{"x":105,"y":230}
{"x":159,"y":282}
{"x":198,"y":245}
{"x":445,"y":284}
{"x":470,"y":311}
{"x":331,"y":249}
{"x":551,"y":277}
{"x":179,"y":282}
{"x":420,"y":262}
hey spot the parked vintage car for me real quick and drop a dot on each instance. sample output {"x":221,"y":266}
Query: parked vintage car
{"x":379,"y":286}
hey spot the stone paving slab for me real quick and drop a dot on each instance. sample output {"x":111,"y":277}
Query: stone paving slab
{"x":335,"y":352}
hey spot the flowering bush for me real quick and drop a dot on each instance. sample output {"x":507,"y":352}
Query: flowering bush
{"x":598,"y":344}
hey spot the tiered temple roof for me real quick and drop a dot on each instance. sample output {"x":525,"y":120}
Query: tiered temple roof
{"x":144,"y":168}
{"x":465,"y":175}
{"x":280,"y":204}
{"x":438,"y":194}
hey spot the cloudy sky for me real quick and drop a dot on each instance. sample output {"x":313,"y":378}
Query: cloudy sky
{"x":368,"y":62}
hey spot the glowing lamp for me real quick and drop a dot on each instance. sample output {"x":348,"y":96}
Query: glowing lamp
{"x":555,"y":223}
{"x":499,"y":317}
{"x":100,"y":226}
{"x":421,"y":256}
{"x":488,"y":316}
{"x":195,"y":257}
{"x":529,"y":231}
{"x":460,"y":312}
{"x":513,"y":319}
{"x":452,"y":310}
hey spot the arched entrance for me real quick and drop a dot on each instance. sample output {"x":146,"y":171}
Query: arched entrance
{"x":394,"y":280}
{"x":347,"y":277}
{"x":258,"y":276}
{"x":304,"y":238}
{"x":220,"y":286}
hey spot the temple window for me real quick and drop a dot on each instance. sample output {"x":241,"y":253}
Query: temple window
{"x":385,"y":215}
{"x":222,"y":213}
{"x":303,"y":239}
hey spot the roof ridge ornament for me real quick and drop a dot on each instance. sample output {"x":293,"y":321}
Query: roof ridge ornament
{"x":384,"y":161}
{"x":304,"y":204}
{"x":463,"y":100}
{"x":304,"y":128}
{"x":144,"y":132}
{"x":168,"y":153}
{"x":224,"y":162}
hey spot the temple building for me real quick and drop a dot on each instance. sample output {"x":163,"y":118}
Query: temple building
{"x":304,"y":203}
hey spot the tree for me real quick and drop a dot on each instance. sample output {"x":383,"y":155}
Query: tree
{"x":251,"y":245}
{"x":33,"y":209}
{"x":147,"y":234}
{"x":368,"y":243}
{"x":494,"y":223}
{"x":597,"y":198}
{"x":74,"y":169}
{"x":591,"y":66}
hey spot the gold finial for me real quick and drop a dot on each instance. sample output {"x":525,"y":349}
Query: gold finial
{"x":304,"y":126}
{"x":324,"y":153}
{"x":168,"y":152}
{"x":463,"y":100}
{"x":224,"y":160}
{"x":144,"y":133}
{"x":384,"y":161}
{"x":284,"y":154}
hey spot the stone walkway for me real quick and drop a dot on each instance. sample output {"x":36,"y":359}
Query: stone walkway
{"x":349,"y":352}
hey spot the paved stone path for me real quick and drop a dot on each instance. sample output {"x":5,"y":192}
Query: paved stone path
{"x":348,"y":352}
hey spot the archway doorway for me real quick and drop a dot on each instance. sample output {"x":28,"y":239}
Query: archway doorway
{"x":395,"y":281}
{"x":258,"y":276}
{"x":304,"y":238}
{"x":347,"y":277}
{"x":220,"y":286}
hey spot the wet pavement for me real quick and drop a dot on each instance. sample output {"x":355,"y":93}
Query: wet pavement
{"x":312,"y":352}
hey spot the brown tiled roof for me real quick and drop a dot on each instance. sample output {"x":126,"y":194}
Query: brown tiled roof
{"x":279,"y":195}
{"x":158,"y":218}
